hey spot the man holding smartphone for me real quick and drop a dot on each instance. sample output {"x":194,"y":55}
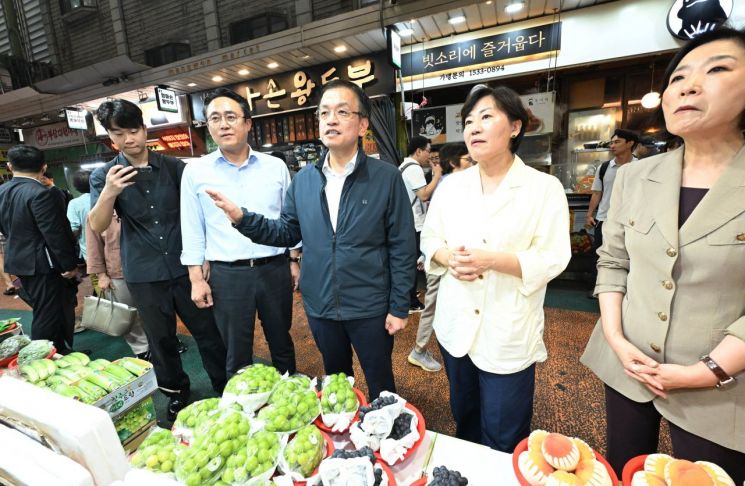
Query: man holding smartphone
{"x":143,"y":188}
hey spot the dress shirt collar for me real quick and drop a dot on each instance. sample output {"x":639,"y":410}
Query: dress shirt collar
{"x":348,"y":168}
{"x":220,"y":158}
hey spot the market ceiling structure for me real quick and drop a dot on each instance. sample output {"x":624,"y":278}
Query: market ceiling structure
{"x":346,"y":35}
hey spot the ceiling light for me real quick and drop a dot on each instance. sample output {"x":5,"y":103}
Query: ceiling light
{"x":514,"y":7}
{"x":61,"y":113}
{"x":340,"y":48}
{"x":307,"y":56}
{"x":458,"y":19}
{"x":273,"y":65}
{"x":191,"y":85}
{"x":405,"y":32}
{"x":26,"y":122}
{"x":243,"y":72}
{"x":651,"y":100}
{"x":489,"y":2}
{"x":217,"y":79}
{"x":44,"y":117}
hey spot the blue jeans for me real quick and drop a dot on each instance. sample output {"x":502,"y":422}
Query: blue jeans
{"x":489,"y":409}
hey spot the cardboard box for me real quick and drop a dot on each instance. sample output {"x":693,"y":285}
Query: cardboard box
{"x":126,"y":397}
{"x":138,"y":418}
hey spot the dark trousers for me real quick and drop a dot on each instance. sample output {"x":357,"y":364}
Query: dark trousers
{"x":413,"y":297}
{"x":634,"y":429}
{"x":371,"y":342}
{"x":489,"y":409}
{"x":597,"y":242}
{"x":53,"y":300}
{"x":158,"y":303}
{"x":238,"y":292}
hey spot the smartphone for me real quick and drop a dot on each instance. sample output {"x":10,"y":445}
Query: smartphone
{"x":143,"y":174}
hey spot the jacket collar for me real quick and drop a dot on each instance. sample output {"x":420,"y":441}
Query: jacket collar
{"x":358,"y":165}
{"x":722,"y":203}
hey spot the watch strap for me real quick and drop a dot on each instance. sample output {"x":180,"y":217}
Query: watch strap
{"x":724,"y":378}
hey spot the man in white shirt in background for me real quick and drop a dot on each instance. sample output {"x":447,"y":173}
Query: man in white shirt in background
{"x":419,"y":150}
{"x":622,"y":145}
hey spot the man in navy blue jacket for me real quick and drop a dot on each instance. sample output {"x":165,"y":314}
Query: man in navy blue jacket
{"x":354,"y":218}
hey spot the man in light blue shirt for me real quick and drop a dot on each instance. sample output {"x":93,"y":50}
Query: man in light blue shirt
{"x":77,"y":210}
{"x":228,"y":272}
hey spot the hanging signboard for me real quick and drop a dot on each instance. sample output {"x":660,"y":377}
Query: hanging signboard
{"x":166,"y":100}
{"x":475,"y":54}
{"x":394,"y":47}
{"x":76,"y":119}
{"x":687,"y":19}
{"x":300,"y":89}
{"x":53,"y":136}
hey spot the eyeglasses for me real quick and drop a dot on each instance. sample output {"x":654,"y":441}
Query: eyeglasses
{"x":230,"y":119}
{"x":341,"y":114}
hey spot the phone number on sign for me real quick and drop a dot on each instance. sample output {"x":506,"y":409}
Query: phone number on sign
{"x":485,"y":70}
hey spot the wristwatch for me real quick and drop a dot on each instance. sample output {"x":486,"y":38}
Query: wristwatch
{"x":295,"y":259}
{"x":724,"y":378}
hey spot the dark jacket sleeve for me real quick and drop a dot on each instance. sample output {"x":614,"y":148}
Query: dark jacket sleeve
{"x":284,"y":231}
{"x":49,"y":213}
{"x":402,"y":251}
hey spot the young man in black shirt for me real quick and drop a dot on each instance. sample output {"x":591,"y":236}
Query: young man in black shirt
{"x":143,"y":187}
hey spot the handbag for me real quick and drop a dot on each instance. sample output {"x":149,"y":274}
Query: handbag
{"x":107,"y":315}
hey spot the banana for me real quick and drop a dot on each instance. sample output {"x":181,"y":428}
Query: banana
{"x":101,"y":380}
{"x":80,"y":358}
{"x":95,"y":392}
{"x":67,"y":391}
{"x":29,"y":373}
{"x":99,"y":364}
{"x":68,"y":374}
{"x":133,"y":366}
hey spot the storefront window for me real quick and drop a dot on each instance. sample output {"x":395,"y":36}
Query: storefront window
{"x":255,"y":27}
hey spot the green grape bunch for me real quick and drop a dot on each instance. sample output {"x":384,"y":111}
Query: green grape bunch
{"x":134,"y":419}
{"x":338,"y":395}
{"x":290,"y":386}
{"x":305,"y":452}
{"x":196,"y":413}
{"x":256,"y":378}
{"x":157,"y":457}
{"x":291,"y":412}
{"x":257,"y":458}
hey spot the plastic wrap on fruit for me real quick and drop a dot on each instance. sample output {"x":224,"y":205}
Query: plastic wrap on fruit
{"x":376,"y":421}
{"x":303,"y":453}
{"x":291,"y":411}
{"x":339,"y":403}
{"x":250,"y":387}
{"x":158,"y":452}
{"x":403,"y":436}
{"x":255,"y":464}
{"x":194,"y":416}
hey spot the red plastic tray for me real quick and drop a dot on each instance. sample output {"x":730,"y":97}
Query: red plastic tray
{"x":523,"y":446}
{"x":318,"y":422}
{"x":5,"y":362}
{"x":421,"y":428}
{"x":635,"y":464}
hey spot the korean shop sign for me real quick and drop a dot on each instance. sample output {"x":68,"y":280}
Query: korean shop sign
{"x":504,"y":47}
{"x":53,"y":136}
{"x":301,"y":88}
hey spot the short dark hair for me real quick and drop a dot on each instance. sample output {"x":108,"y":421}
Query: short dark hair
{"x":25,"y":158}
{"x":362,"y":100}
{"x":417,"y":142}
{"x":122,"y":112}
{"x":81,"y":181}
{"x":628,"y":135}
{"x":720,"y":33}
{"x":450,"y":155}
{"x":507,"y":101}
{"x":227,"y":93}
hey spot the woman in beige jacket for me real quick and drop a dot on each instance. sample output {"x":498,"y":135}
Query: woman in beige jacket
{"x":671,"y":274}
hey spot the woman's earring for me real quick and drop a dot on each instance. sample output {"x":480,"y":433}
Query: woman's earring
{"x":514,"y":135}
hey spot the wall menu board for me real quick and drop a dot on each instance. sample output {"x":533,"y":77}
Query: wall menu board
{"x":284,"y":129}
